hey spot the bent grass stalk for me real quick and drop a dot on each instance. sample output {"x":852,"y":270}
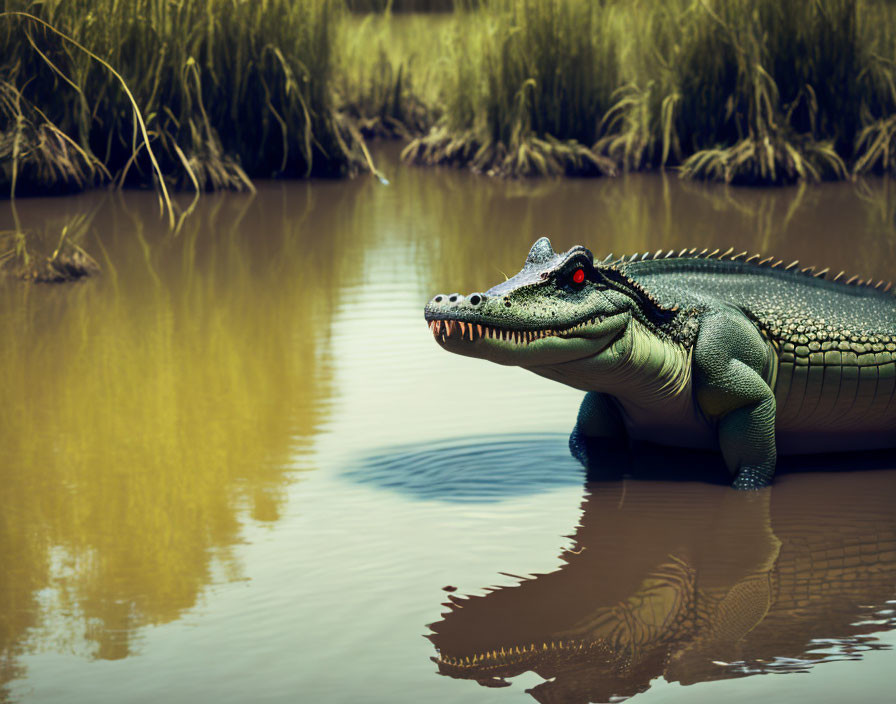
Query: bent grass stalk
{"x":169,"y":208}
{"x":752,"y":91}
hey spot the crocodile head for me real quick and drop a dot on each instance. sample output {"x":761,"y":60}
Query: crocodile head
{"x":560,"y":308}
{"x":600,"y":627}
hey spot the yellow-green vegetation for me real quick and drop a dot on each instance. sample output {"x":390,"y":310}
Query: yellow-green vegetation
{"x":227,"y":89}
{"x":748,"y":91}
{"x":526,"y":85}
{"x":222,"y":91}
{"x":387,"y":72}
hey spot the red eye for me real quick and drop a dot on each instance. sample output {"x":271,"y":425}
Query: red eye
{"x":579,"y":276}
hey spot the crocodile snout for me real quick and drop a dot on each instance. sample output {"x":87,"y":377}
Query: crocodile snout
{"x":454,"y":303}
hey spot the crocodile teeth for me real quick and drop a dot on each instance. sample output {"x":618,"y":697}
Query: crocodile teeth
{"x":459,"y":329}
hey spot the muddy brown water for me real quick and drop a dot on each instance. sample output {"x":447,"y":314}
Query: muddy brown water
{"x":236,"y":467}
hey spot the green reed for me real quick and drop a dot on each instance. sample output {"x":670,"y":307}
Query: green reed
{"x":525,"y":87}
{"x":748,"y":91}
{"x":219,"y":92}
{"x":229,"y":90}
{"x":387,"y":73}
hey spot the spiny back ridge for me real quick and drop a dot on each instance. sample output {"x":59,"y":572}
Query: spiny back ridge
{"x":754,"y":259}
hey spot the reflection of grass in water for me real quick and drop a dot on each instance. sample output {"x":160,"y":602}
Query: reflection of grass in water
{"x":144,"y":413}
{"x":489,"y":236}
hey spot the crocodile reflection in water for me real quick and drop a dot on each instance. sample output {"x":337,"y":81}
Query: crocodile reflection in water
{"x":693,"y":583}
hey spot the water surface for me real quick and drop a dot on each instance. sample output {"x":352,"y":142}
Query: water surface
{"x":236,"y":467}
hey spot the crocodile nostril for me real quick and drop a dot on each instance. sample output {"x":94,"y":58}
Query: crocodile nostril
{"x":438,"y":299}
{"x":453,"y":298}
{"x":475,"y":299}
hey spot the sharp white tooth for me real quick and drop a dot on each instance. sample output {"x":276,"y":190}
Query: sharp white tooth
{"x":479,"y":330}
{"x":449,"y":324}
{"x":463,"y":329}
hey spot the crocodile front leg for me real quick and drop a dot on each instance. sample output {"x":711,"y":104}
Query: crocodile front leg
{"x":730,"y":356}
{"x":747,"y":441}
{"x":600,"y":441}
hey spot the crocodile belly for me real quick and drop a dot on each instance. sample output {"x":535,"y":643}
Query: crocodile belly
{"x":673,"y":422}
{"x":835,"y":400}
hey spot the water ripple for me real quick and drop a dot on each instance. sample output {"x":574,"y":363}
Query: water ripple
{"x":482,"y":469}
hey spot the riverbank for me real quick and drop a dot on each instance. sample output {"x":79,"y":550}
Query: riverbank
{"x":207,"y":95}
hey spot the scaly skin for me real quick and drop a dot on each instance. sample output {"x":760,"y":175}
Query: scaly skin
{"x":692,"y":584}
{"x":693,"y":350}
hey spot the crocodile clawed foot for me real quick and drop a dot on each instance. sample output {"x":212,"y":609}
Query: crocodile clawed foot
{"x":752,"y":478}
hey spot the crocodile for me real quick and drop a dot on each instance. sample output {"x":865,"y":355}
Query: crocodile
{"x":651,"y":587}
{"x":696,"y":349}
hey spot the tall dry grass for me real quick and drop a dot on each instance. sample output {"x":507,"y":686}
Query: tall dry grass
{"x":735,"y":90}
{"x":229,"y":90}
{"x":526,"y":85}
{"x":746,"y":91}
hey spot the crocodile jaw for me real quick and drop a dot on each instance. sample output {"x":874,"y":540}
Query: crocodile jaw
{"x":525,"y":348}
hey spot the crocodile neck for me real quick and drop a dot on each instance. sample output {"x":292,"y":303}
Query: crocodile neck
{"x":651,"y":380}
{"x":639,"y":367}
